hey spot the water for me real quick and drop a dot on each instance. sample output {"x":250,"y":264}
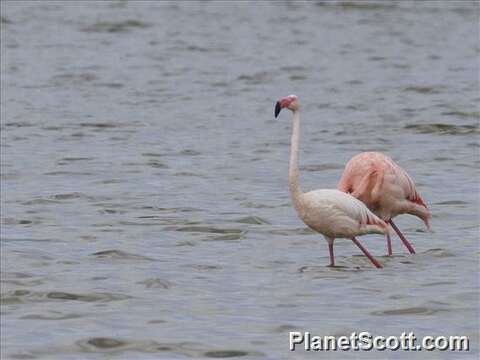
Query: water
{"x":145,"y":204}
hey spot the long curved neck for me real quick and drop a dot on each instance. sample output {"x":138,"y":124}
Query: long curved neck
{"x":294,"y":172}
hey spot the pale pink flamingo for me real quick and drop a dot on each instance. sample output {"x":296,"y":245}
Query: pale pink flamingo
{"x":385,"y":188}
{"x":331,"y":212}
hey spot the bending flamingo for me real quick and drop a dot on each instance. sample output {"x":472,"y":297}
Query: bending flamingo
{"x":385,"y":188}
{"x":333,"y":213}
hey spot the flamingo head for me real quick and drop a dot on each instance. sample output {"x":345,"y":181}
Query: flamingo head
{"x":290,"y":102}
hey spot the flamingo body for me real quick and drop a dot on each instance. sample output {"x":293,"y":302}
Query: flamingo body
{"x":336,"y":214}
{"x":382,"y":185}
{"x":385,"y":188}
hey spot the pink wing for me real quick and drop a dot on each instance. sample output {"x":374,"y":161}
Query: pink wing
{"x":408,"y":186}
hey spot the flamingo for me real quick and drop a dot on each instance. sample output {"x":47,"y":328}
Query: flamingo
{"x":331,"y":212}
{"x":386,"y":189}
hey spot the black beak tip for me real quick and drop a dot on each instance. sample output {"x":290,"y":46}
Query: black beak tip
{"x":277,"y":109}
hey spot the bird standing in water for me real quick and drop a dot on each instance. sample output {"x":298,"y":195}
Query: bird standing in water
{"x":385,"y":188}
{"x":331,"y":212}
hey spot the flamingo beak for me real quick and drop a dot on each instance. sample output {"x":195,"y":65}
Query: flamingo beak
{"x":278,"y":108}
{"x":427,"y":224}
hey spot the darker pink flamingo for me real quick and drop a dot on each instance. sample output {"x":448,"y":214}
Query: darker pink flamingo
{"x":385,"y":188}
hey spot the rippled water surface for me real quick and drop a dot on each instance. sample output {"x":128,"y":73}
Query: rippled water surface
{"x":145,"y":204}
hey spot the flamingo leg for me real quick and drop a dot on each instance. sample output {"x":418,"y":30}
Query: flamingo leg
{"x":389,"y":245}
{"x":330,"y":250}
{"x":404,"y":240}
{"x":367,"y":254}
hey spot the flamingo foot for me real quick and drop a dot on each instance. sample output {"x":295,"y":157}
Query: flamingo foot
{"x":367,"y":254}
{"x":404,"y":240}
{"x":332,"y":257}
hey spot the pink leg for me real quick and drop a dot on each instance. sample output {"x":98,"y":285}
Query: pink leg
{"x":389,"y":245}
{"x":367,"y":254}
{"x":332,"y":257}
{"x":404,"y":240}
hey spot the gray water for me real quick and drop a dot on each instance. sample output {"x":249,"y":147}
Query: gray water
{"x":145,"y":204}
